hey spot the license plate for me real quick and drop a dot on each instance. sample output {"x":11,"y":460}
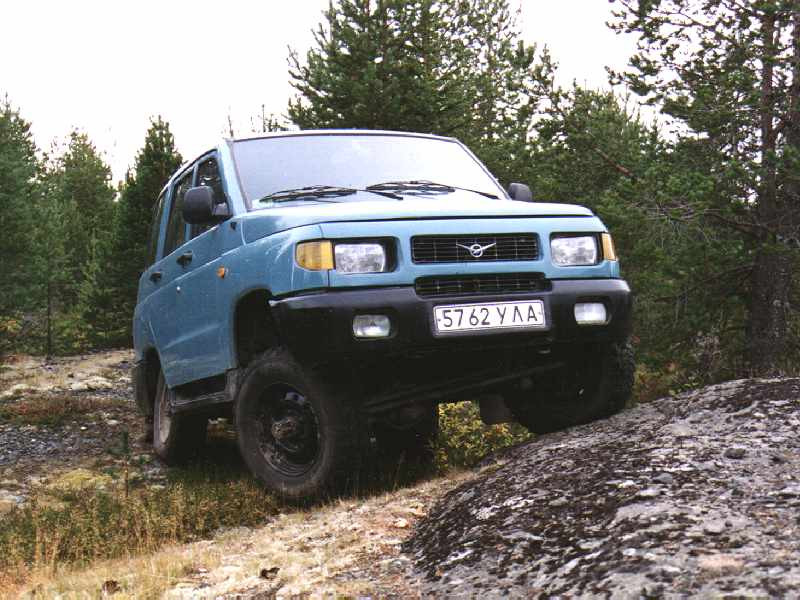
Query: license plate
{"x":490,"y":315}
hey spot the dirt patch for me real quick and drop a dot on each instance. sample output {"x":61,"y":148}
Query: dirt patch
{"x":692,"y":495}
{"x":67,"y":414}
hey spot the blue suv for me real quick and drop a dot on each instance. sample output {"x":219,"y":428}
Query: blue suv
{"x":328,"y":289}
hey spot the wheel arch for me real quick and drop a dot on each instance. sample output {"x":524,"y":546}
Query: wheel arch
{"x":253,"y":326}
{"x":146,"y":380}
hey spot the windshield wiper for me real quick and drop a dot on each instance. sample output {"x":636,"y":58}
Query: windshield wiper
{"x":311,"y":192}
{"x":317,"y":193}
{"x":423,"y":185}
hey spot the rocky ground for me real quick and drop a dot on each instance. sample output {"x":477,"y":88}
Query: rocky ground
{"x":69,"y":422}
{"x":697,"y":495}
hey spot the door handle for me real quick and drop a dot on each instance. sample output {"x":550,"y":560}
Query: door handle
{"x":185,"y":258}
{"x":155,"y":276}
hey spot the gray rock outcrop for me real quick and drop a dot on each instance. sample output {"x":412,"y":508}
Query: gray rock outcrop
{"x":694,"y":495}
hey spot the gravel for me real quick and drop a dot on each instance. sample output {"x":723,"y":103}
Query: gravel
{"x":92,"y":437}
{"x":690,"y":495}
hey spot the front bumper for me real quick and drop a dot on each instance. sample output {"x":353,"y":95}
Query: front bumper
{"x":318,"y":326}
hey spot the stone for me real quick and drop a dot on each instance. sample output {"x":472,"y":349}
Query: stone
{"x":649,"y":493}
{"x":664,"y":478}
{"x":735,"y":453}
{"x":720,"y":562}
{"x":714,"y":527}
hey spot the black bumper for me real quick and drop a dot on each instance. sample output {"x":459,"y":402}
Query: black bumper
{"x":318,"y":326}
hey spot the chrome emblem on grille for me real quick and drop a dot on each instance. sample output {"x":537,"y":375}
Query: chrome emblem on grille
{"x":476,"y":250}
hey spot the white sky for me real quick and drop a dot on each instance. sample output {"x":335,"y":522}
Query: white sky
{"x":106,"y":66}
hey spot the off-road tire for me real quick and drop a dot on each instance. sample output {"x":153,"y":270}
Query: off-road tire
{"x":176,"y":437}
{"x":604,"y":375}
{"x":334,"y":461}
{"x":414,"y":444}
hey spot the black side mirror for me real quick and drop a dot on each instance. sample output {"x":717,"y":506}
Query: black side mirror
{"x":519,"y":191}
{"x":199,"y":207}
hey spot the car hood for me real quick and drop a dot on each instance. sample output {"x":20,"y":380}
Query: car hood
{"x":458,"y":205}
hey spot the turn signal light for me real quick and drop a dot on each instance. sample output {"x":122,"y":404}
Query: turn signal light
{"x":315,"y":256}
{"x":609,"y":252}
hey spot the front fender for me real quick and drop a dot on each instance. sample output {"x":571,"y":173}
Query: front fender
{"x":264,"y":264}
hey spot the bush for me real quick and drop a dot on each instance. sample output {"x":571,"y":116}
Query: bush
{"x":464,"y":440}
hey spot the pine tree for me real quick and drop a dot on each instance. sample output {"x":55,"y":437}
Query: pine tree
{"x":19,"y":170}
{"x":728,"y":73}
{"x":79,"y":180}
{"x":124,"y":257}
{"x":76,"y":210}
{"x":58,"y":330}
{"x":590,"y":148}
{"x":450,"y":68}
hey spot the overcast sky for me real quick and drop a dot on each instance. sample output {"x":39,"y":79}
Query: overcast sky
{"x":106,"y":66}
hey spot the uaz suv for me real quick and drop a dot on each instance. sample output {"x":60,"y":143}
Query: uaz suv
{"x":328,"y":289}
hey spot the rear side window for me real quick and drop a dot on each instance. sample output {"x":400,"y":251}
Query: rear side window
{"x":176,"y":228}
{"x":152,"y":247}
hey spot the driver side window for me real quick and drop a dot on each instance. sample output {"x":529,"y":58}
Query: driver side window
{"x":208,"y":175}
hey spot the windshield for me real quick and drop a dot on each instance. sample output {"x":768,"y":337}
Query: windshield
{"x":270,"y":165}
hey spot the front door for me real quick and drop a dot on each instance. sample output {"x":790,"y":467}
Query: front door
{"x":183,"y":310}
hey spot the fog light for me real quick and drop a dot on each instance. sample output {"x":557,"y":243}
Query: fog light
{"x":590,"y":313}
{"x":371,"y":326}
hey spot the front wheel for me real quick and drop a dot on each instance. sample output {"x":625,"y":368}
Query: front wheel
{"x":596,"y":382}
{"x":296,"y":433}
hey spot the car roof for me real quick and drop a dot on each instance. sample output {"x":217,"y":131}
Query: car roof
{"x":299,"y":133}
{"x":305,"y":132}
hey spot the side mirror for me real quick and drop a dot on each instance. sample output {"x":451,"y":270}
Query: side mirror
{"x":519,"y":191}
{"x":199,"y":207}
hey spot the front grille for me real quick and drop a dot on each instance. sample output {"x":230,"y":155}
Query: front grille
{"x":456,"y":248}
{"x":470,"y":285}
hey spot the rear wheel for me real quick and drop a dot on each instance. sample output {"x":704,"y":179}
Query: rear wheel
{"x":176,"y":437}
{"x":296,"y":433}
{"x":596,"y":382}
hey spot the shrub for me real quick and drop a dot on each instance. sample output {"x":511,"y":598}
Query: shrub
{"x":464,"y":440}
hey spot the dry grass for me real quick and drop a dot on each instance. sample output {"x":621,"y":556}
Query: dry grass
{"x":52,"y":410}
{"x":139,"y":578}
{"x":64,"y":528}
{"x":339,"y":549}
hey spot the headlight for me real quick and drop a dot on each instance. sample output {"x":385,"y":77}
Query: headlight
{"x":360,"y":258}
{"x":573,"y":251}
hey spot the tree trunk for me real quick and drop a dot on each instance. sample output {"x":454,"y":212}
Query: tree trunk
{"x":49,"y":319}
{"x":768,"y":329}
{"x":769,"y":303}
{"x":769,"y":295}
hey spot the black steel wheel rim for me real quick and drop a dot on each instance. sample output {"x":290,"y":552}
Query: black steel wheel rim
{"x":288,"y":431}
